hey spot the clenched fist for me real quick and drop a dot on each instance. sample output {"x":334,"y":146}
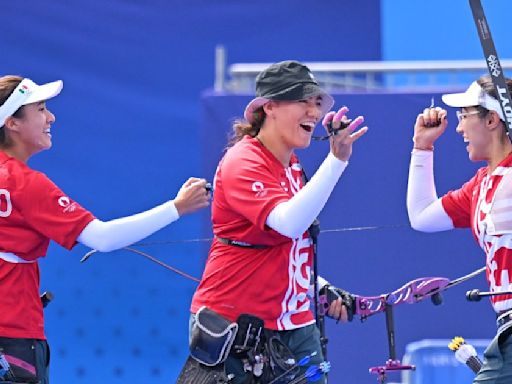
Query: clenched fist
{"x":193,"y":195}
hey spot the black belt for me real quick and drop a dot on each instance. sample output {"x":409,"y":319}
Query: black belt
{"x":504,"y":318}
{"x":242,"y":244}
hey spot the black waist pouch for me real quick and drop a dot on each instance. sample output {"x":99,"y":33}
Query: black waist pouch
{"x":212,"y":337}
{"x":21,"y":356}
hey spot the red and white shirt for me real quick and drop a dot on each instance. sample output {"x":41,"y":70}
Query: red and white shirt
{"x":33,"y":210}
{"x":271,"y":283}
{"x":484,"y":203}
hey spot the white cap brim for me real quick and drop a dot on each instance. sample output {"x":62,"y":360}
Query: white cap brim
{"x":44,"y":92}
{"x":470,"y":98}
{"x":473,"y":96}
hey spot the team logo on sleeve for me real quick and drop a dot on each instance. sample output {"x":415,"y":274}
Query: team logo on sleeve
{"x":66,"y":203}
{"x":259,"y":188}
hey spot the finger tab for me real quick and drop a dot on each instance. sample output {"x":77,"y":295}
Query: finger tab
{"x":356,"y":122}
{"x":328,"y":118}
{"x":339,"y":115}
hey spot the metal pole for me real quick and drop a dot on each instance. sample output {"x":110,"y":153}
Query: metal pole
{"x":390,"y":325}
{"x":220,"y":68}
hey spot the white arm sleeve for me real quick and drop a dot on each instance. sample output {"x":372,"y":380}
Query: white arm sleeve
{"x":321,"y":282}
{"x":293,"y":217}
{"x":426,"y":212}
{"x":119,"y":233}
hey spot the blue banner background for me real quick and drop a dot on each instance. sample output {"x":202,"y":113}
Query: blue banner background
{"x":136,"y":119}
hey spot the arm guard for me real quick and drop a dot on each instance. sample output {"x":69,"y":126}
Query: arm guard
{"x":330,"y":293}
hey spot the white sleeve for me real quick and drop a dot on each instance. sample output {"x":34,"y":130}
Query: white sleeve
{"x":426,"y":212}
{"x":293,"y":217}
{"x":321,"y":282}
{"x":119,"y":233}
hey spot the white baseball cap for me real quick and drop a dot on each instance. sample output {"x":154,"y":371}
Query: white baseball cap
{"x":473,"y":96}
{"x":28,"y":92}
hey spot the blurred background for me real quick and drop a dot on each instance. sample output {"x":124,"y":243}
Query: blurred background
{"x":150,"y":91}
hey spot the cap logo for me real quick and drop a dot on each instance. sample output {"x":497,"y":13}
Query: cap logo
{"x":23,"y":89}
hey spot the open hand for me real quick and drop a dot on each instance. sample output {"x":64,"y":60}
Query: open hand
{"x":341,"y":141}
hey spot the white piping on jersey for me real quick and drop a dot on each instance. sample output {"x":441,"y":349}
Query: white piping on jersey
{"x":294,"y":183}
{"x":12,"y":258}
{"x":291,"y":297}
{"x":298,"y":284}
{"x":503,"y":203}
{"x":490,"y":239}
{"x":499,"y":220}
{"x":480,"y":226}
{"x":500,"y":171}
{"x":493,"y":244}
{"x":281,"y":319}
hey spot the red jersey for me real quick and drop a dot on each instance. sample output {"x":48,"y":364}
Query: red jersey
{"x":271,"y":283}
{"x":33,"y":210}
{"x":484,"y":203}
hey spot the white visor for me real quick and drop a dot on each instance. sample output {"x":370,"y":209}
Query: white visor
{"x":474,"y":96}
{"x":28,"y":92}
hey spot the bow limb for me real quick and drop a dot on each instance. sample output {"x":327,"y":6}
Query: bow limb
{"x":412,"y":292}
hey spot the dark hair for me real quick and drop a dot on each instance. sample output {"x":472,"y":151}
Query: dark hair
{"x":242,"y":128}
{"x":487,"y":85}
{"x":7,"y":86}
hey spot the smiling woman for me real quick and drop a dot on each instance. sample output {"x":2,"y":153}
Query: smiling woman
{"x":33,"y":211}
{"x":26,"y":121}
{"x":260,"y":261}
{"x":484,"y":203}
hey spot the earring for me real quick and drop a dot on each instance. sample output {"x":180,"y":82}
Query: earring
{"x":257,"y":115}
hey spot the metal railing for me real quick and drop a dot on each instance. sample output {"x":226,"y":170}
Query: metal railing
{"x":363,"y":76}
